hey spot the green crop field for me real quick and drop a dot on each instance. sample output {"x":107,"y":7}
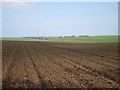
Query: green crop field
{"x":89,"y":39}
{"x":21,"y":39}
{"x":94,"y":39}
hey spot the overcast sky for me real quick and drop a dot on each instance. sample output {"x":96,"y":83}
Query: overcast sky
{"x":59,"y":19}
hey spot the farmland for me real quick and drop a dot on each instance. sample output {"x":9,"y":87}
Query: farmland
{"x":84,"y":39}
{"x":96,"y":39}
{"x":48,"y":64}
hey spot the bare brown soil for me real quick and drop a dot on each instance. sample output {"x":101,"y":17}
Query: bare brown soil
{"x":59,"y":65}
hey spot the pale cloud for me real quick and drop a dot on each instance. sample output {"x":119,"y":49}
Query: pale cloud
{"x":15,"y":4}
{"x":60,"y":0}
{"x":24,"y":3}
{"x":20,"y":0}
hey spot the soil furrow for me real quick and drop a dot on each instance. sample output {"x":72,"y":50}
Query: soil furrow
{"x":59,"y":65}
{"x":101,"y":72}
{"x":84,"y":68}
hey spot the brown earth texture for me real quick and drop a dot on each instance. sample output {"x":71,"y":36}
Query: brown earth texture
{"x":27,"y":64}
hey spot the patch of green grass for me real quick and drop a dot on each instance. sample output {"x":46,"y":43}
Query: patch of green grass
{"x":16,"y":39}
{"x":94,"y":39}
{"x":91,"y":39}
{"x":20,"y":39}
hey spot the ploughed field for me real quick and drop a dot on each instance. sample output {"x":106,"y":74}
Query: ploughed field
{"x":59,"y":65}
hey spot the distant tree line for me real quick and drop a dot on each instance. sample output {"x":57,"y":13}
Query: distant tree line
{"x":52,"y":37}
